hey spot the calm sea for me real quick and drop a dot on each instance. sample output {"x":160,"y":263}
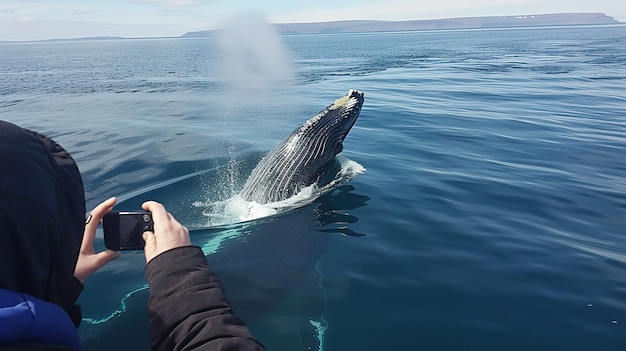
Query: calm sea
{"x":491,"y":214}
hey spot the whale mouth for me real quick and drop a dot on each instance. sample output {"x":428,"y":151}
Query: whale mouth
{"x":338,"y":117}
{"x":353,"y":105}
{"x":348,"y":99}
{"x":342,"y":115}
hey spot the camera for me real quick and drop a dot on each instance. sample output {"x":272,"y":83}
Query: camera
{"x":123,"y":230}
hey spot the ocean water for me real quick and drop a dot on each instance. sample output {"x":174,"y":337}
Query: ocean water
{"x":481,"y":195}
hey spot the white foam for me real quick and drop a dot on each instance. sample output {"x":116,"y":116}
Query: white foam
{"x":237,"y":210}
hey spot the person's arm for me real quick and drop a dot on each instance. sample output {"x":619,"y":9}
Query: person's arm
{"x":187,"y":309}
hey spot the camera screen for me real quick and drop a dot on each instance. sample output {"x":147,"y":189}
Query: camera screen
{"x":131,"y":228}
{"x":123,"y":230}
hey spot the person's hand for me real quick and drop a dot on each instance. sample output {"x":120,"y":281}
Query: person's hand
{"x":168,"y":233}
{"x":89,"y":261}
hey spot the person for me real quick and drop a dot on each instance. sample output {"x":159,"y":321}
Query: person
{"x":47,"y":254}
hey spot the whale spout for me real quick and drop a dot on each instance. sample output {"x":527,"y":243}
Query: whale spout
{"x":306,"y":154}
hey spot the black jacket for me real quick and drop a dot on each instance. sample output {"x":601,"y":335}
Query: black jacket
{"x":42,"y":209}
{"x":42,"y":218}
{"x":188,"y":309}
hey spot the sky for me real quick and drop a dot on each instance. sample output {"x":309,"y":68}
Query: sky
{"x":39,"y":19}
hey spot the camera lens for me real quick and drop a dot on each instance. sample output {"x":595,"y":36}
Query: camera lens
{"x":146,"y":218}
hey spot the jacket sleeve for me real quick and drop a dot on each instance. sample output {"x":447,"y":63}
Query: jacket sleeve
{"x":188,"y":309}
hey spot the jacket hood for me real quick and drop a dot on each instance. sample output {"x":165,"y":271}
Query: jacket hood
{"x":42,"y":209}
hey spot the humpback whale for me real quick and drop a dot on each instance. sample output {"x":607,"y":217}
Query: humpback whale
{"x":305,"y":155}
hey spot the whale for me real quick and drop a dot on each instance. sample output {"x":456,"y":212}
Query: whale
{"x":303,"y":158}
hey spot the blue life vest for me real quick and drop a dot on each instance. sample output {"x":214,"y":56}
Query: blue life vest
{"x":24,"y":318}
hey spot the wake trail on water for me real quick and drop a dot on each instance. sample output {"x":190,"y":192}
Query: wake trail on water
{"x":237,"y":210}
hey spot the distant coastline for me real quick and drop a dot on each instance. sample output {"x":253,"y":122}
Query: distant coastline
{"x":364,"y":26}
{"x":88,"y":38}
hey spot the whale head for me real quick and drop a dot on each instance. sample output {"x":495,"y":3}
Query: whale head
{"x":330,"y":126}
{"x":304,"y":156}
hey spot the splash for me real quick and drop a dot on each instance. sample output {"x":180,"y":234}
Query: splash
{"x":256,"y":69}
{"x":236,"y":209}
{"x":253,"y":56}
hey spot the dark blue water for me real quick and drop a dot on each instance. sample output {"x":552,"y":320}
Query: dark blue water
{"x":491,"y":214}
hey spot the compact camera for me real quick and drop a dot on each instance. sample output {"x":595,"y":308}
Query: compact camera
{"x":123,"y":230}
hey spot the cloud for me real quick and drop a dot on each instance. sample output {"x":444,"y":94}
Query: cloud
{"x":174,"y":3}
{"x":7,"y":11}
